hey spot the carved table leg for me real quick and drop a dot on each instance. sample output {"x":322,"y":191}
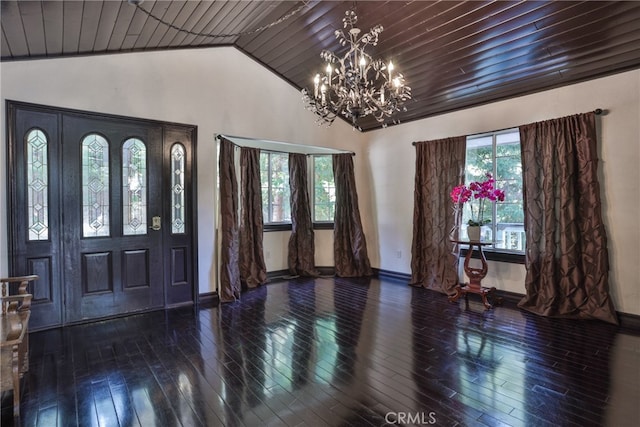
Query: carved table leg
{"x":458,"y":294}
{"x":486,"y":292}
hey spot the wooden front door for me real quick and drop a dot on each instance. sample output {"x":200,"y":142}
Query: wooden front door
{"x":112,"y":177}
{"x":108,"y":224}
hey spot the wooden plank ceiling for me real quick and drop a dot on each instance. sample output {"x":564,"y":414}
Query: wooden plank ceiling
{"x":454,"y":54}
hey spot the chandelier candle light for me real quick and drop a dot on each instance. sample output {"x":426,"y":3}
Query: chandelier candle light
{"x":355,"y":85}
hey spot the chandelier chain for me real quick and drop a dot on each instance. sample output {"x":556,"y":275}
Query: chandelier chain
{"x":239,"y":34}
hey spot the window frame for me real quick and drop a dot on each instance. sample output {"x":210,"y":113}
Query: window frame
{"x":266,"y":224}
{"x":287,"y":226}
{"x":493,"y":253}
{"x":318,"y":225}
{"x":125,"y":196}
{"x":32,"y":212}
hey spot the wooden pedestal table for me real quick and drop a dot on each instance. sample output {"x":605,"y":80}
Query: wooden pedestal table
{"x":475,"y":275}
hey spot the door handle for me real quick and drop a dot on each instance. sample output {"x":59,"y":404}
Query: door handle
{"x":156,"y":223}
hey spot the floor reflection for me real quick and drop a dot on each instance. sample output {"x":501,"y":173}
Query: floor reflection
{"x":480,"y":358}
{"x":622,"y":403}
{"x":567,"y":380}
{"x":302,"y":303}
{"x":350,"y":301}
{"x":243,"y":337}
{"x":332,"y":352}
{"x":433,"y":370}
{"x":303,"y":349}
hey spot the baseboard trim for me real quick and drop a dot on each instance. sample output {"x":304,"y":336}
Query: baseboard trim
{"x":179,"y":304}
{"x":392,"y":275}
{"x":326,"y":271}
{"x":511,"y":297}
{"x":278,"y":274}
{"x":628,"y":322}
{"x":209,"y":299}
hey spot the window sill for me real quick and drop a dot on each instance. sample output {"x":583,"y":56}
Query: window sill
{"x":494,"y":255}
{"x":323,"y":225}
{"x":276,"y":227}
{"x":287,"y":227}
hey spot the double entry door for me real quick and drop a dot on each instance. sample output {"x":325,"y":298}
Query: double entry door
{"x":102,"y":210}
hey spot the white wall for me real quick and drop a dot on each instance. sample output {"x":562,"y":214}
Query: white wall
{"x":276,"y":249}
{"x":392,"y":157}
{"x":220,"y":90}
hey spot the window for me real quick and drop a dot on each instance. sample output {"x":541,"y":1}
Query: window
{"x":95,"y":186}
{"x":274,"y":179}
{"x":134,"y":187}
{"x":324,"y":189}
{"x":499,"y":154}
{"x":177,"y":189}
{"x":37,"y":185}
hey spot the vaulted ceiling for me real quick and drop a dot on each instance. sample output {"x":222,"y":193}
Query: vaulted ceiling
{"x":454,"y":54}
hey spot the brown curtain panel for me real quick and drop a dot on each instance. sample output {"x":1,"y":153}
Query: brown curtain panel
{"x":229,"y":287}
{"x":439,"y":168}
{"x":301,"y":243}
{"x":253,"y":271}
{"x":349,"y":244}
{"x":566,"y":249}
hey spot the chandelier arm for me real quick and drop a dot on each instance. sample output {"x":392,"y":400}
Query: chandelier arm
{"x":371,"y":38}
{"x":342,"y":37}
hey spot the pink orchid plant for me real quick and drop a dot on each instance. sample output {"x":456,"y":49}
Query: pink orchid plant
{"x":481,"y":191}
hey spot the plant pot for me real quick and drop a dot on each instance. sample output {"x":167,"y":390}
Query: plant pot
{"x":473,"y":232}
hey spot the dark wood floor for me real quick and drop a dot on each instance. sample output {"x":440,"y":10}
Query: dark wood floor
{"x":333,"y":352}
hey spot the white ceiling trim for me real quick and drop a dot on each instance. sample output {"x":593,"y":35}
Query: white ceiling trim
{"x":282,"y":147}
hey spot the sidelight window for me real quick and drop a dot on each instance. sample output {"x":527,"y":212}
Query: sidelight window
{"x":177,"y":189}
{"x":37,"y":185}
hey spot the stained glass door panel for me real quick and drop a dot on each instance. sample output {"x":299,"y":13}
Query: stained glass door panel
{"x":38,"y":184}
{"x":134,"y":187}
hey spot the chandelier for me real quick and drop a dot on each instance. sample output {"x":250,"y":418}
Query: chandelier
{"x":356,"y":85}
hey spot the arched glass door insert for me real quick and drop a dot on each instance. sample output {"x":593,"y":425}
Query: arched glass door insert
{"x":95,"y":186}
{"x":134,"y":187}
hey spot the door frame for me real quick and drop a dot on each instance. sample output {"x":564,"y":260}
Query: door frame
{"x":14,"y":239}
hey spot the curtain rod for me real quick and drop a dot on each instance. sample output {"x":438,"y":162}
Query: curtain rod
{"x":329,"y":150}
{"x":597,"y":112}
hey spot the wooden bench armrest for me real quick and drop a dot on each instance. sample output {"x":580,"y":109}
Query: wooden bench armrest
{"x":15,"y":279}
{"x":7,"y":288}
{"x":23,"y":280}
{"x":16,"y":303}
{"x":15,"y":325}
